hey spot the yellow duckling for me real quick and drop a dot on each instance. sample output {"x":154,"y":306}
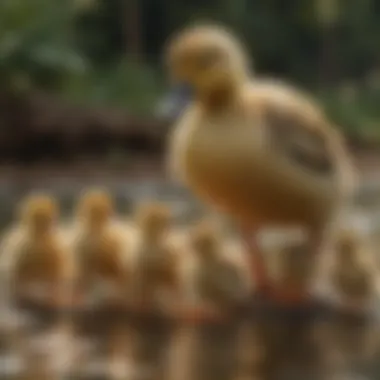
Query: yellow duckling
{"x":354,"y":275}
{"x":157,"y":271}
{"x":220,"y":280}
{"x":40,"y":262}
{"x":100,"y":245}
{"x":258,"y":150}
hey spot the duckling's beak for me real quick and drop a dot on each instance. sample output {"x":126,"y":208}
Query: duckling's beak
{"x":175,"y":102}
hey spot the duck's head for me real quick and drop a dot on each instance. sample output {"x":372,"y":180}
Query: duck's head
{"x":39,"y":213}
{"x":206,"y":62}
{"x":95,"y":208}
{"x":153,"y":218}
{"x":204,"y":240}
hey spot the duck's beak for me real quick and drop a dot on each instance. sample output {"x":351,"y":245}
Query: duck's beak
{"x":175,"y":102}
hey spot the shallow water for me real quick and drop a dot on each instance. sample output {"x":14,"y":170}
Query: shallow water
{"x":276,"y":348}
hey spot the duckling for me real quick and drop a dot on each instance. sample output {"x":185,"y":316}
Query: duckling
{"x":220,"y":280}
{"x":353,"y":274}
{"x":41,"y":261}
{"x":157,"y":262}
{"x":100,"y":245}
{"x":260,"y":151}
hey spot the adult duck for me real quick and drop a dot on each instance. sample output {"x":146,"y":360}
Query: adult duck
{"x":258,"y":150}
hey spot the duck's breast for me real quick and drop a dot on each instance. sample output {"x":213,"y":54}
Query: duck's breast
{"x":216,"y":158}
{"x":229,"y":162}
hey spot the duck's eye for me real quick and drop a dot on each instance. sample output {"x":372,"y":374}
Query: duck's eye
{"x":208,"y":58}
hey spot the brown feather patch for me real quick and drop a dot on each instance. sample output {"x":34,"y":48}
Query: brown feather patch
{"x":300,"y":139}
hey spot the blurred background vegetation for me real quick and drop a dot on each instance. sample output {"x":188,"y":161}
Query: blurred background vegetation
{"x":108,"y":52}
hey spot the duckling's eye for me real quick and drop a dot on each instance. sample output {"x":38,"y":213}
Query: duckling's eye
{"x":208,"y":58}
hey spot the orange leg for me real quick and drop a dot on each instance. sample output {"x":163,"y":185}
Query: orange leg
{"x":201,"y":314}
{"x":316,"y":244}
{"x":260,"y":274}
{"x":317,"y":241}
{"x":256,"y":260}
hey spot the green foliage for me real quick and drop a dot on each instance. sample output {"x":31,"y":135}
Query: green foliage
{"x":36,"y":42}
{"x":355,"y":108}
{"x":127,"y":84}
{"x":80,"y":48}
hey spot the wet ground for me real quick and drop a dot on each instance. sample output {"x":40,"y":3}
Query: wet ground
{"x":273,"y":345}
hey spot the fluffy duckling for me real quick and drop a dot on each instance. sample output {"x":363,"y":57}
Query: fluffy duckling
{"x":100,"y":245}
{"x":353,"y":275}
{"x":260,"y":151}
{"x":40,"y":263}
{"x":157,"y":269}
{"x":219,"y":277}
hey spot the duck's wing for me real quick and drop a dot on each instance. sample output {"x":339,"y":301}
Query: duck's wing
{"x":300,"y":140}
{"x":298,"y":130}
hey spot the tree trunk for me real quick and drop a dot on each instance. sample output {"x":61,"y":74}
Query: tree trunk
{"x":133,"y":28}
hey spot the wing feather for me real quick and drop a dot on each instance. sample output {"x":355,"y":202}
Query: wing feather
{"x":300,"y":139}
{"x":300,"y":131}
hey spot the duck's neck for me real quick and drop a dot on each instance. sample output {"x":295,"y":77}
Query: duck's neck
{"x":37,"y":233}
{"x":153,"y":238}
{"x":209,"y":255}
{"x":95,"y":228}
{"x":222,"y":96}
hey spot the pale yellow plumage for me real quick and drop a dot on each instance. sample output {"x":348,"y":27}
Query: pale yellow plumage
{"x":35,"y":251}
{"x":101,"y":247}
